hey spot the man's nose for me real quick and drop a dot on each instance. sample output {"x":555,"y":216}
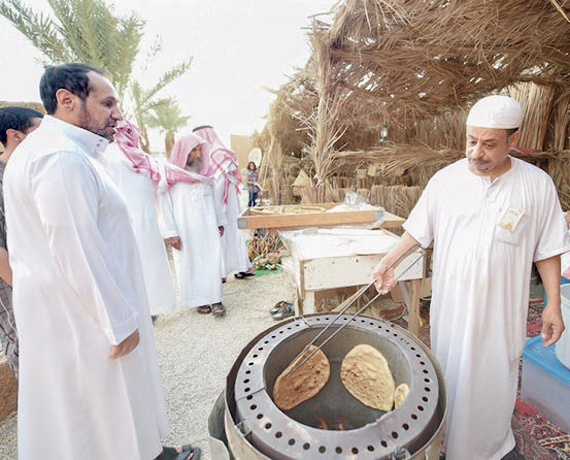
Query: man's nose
{"x":476,"y":151}
{"x":117,"y":114}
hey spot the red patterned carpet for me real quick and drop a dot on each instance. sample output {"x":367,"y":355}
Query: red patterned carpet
{"x":537,"y":437}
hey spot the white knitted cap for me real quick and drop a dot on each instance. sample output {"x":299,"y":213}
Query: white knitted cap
{"x":496,"y":112}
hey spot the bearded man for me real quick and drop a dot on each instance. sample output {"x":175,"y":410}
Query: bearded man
{"x":490,"y":217}
{"x":228,"y":183}
{"x":89,"y":380}
{"x":193,"y":226}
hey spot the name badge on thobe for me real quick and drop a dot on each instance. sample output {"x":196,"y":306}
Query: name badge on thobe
{"x":510,"y":217}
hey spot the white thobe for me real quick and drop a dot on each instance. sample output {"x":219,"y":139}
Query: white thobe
{"x":234,"y":250}
{"x":140,"y":194}
{"x":481,"y":279}
{"x":191,"y":212}
{"x":78,"y":290}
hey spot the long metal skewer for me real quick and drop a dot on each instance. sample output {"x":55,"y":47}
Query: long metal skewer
{"x":394,"y":263}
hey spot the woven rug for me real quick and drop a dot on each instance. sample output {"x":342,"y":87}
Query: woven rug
{"x":537,"y":437}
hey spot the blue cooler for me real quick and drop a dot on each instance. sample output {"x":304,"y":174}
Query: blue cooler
{"x":546,"y":383}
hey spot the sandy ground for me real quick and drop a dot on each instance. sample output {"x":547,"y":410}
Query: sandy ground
{"x":195,"y":354}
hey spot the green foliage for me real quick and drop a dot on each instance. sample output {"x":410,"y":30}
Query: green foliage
{"x":90,"y":32}
{"x":166,"y":116}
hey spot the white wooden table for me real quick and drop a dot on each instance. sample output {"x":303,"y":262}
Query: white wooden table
{"x":325,"y":259}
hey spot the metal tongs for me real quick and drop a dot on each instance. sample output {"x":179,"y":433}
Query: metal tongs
{"x":402,"y":256}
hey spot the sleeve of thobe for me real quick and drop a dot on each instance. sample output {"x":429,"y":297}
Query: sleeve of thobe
{"x":166,"y":220}
{"x":553,"y":237}
{"x":219,"y":206}
{"x":419,"y":223}
{"x":66,"y":190}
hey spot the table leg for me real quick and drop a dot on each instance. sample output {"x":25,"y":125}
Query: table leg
{"x":414,"y":307}
{"x":309,"y":302}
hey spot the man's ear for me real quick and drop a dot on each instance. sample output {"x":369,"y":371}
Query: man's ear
{"x":15,"y":136}
{"x":66,"y":100}
{"x":514,"y":139}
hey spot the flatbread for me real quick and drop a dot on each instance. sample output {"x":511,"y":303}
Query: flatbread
{"x":401,"y":394}
{"x":290,"y":390}
{"x":366,"y":375}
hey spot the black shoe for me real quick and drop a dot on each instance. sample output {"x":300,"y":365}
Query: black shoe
{"x":513,"y":455}
{"x":218,"y":309}
{"x":284,"y":313}
{"x":280,"y":306}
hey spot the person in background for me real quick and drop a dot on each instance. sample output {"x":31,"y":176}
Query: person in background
{"x":490,"y":217}
{"x":15,"y":124}
{"x":139,"y":179}
{"x":193,"y":226}
{"x":252,"y":187}
{"x":89,"y":382}
{"x":228,"y":182}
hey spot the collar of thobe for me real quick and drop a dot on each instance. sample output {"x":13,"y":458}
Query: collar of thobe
{"x":487,"y":180}
{"x":92,"y":142}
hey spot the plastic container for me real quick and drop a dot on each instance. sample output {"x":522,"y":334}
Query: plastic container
{"x":546,"y":383}
{"x":562,"y":347}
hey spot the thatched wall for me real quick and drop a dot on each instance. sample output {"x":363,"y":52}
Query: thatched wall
{"x":417,"y":67}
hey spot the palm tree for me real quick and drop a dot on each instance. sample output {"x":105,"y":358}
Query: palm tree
{"x":88,"y":31}
{"x":167,"y":117}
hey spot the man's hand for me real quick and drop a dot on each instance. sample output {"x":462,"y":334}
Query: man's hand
{"x":126,"y":346}
{"x":221,"y":230}
{"x":384,"y":280}
{"x":552,"y":325}
{"x":175,"y":242}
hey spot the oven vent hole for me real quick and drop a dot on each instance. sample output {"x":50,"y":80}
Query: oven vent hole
{"x":338,"y":450}
{"x":405,"y":426}
{"x":268,"y":426}
{"x":322,"y":449}
{"x":384,"y":444}
{"x":279,"y":435}
{"x":370,"y":448}
{"x":354,"y":451}
{"x":259,"y":416}
{"x":395,"y":435}
{"x":306,"y":446}
{"x":253,"y":407}
{"x":292,"y":442}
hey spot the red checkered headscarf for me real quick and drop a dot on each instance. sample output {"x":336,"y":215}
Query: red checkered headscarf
{"x":127,"y":138}
{"x":177,"y":172}
{"x":223,"y":160}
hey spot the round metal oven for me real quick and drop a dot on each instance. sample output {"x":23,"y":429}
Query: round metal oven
{"x":333,"y":424}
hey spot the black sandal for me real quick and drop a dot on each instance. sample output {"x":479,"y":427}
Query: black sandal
{"x":188,"y":453}
{"x":218,"y":309}
{"x":204,"y":309}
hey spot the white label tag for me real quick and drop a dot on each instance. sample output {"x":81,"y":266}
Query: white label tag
{"x":510,"y":218}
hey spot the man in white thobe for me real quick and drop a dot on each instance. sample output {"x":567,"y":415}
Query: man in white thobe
{"x":138,"y":178}
{"x":193,"y":226}
{"x":89,"y":380}
{"x":490,"y":217}
{"x":228,"y":183}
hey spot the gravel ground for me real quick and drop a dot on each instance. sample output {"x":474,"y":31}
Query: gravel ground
{"x":195,"y":354}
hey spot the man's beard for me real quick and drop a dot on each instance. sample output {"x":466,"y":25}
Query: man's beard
{"x":87,"y":123}
{"x":194,"y":165}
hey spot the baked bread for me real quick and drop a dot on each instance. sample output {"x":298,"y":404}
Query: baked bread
{"x":290,"y":390}
{"x":367,"y":376}
{"x":401,"y":394}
